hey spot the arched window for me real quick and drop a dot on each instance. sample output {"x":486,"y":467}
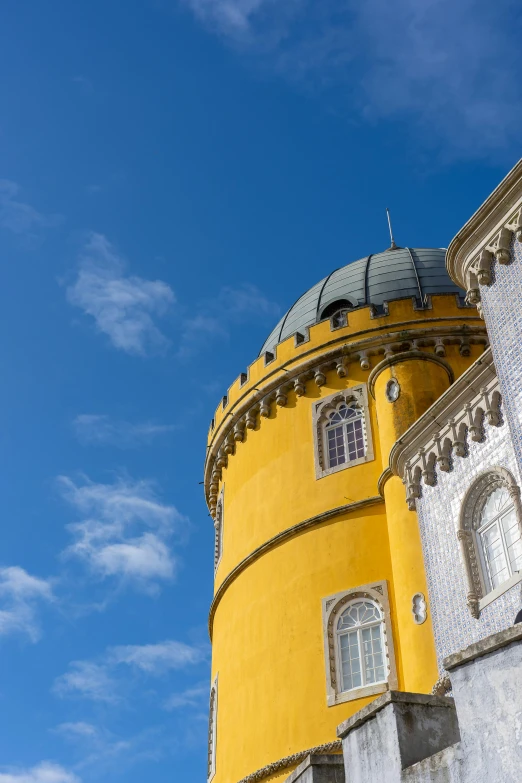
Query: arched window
{"x":212,"y":731}
{"x":345,"y":436}
{"x":360,"y":646}
{"x":500,"y":540}
{"x":490,"y":534}
{"x":342,"y":430}
{"x":336,"y":311}
{"x":359,"y":657}
{"x":218,"y":532}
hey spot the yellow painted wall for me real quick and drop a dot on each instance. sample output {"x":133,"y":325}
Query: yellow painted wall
{"x":267,"y":622}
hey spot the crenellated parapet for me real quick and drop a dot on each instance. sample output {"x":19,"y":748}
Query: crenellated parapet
{"x":301,"y":369}
{"x":441,"y":434}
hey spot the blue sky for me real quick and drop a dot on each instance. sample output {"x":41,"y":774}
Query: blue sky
{"x":173,"y":175}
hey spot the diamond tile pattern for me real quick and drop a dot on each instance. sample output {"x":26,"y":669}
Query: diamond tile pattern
{"x":438,"y":511}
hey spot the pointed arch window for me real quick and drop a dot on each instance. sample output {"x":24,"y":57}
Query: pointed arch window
{"x":342,"y":432}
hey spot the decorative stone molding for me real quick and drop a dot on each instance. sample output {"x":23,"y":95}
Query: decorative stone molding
{"x":441,"y":434}
{"x":212,"y":731}
{"x":442,"y":686}
{"x":276,"y":541}
{"x":243,"y":412}
{"x":333,"y":606}
{"x":486,"y":237}
{"x":321,"y":410}
{"x":218,"y":529}
{"x":469,"y":521}
{"x":419,"y":608}
{"x":289,"y":761}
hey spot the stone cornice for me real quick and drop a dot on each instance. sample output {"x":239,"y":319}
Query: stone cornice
{"x":279,"y":539}
{"x":258,"y":403}
{"x":405,"y":356}
{"x":484,"y":225}
{"x":442,"y":430}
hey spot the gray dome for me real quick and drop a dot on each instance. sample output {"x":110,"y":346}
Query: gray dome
{"x":395,"y":274}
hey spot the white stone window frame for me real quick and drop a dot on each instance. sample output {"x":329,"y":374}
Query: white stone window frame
{"x":212,"y":730}
{"x":219,"y":529}
{"x":333,"y":606}
{"x":321,"y":411}
{"x":479,"y":595}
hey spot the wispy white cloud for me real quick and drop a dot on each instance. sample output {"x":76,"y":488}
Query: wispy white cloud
{"x":157,"y":658}
{"x":191,"y":697}
{"x":19,"y":217}
{"x":20,"y":594}
{"x":450,"y":70}
{"x":88,"y":680}
{"x":123,"y":306}
{"x":106,"y":678}
{"x":124,"y":531}
{"x":99,"y":429}
{"x":45,"y":772}
{"x":77,"y":729}
{"x":214,"y":319}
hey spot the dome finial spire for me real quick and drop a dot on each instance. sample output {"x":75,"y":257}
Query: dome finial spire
{"x":393,"y":246}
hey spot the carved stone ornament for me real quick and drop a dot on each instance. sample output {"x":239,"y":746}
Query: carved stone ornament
{"x":393,"y":390}
{"x":212,"y":731}
{"x":469,"y":520}
{"x":419,"y":608}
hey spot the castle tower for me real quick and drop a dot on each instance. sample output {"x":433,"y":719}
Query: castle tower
{"x":320,"y":594}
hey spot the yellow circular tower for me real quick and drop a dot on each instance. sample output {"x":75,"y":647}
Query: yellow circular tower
{"x":320,"y":597}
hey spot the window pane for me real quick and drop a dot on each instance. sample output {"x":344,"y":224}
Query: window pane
{"x":350,"y":663}
{"x":336,"y":454}
{"x":513,"y":540}
{"x":494,"y":555}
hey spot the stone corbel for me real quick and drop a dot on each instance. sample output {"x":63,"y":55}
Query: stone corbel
{"x":320,"y":376}
{"x":388,"y":351}
{"x":413,"y":488}
{"x":443,"y":452}
{"x":239,"y":431}
{"x":492,"y":407}
{"x":473,"y":292}
{"x":340,"y":367}
{"x":459,"y":438}
{"x":474,"y":418}
{"x":440,"y":348}
{"x":265,"y":407}
{"x":465,"y":347}
{"x":428,"y":467}
{"x":251,"y":418}
{"x":483,"y":267}
{"x":229,"y":445}
{"x":281,"y":397}
{"x":515,"y":224}
{"x":501,"y":246}
{"x":300,"y":385}
{"x":364,"y":360}
{"x":221,"y":460}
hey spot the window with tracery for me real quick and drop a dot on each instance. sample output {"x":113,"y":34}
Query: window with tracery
{"x":490,"y":535}
{"x":359,"y":657}
{"x":344,"y":431}
{"x":500,"y":540}
{"x":360,"y":645}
